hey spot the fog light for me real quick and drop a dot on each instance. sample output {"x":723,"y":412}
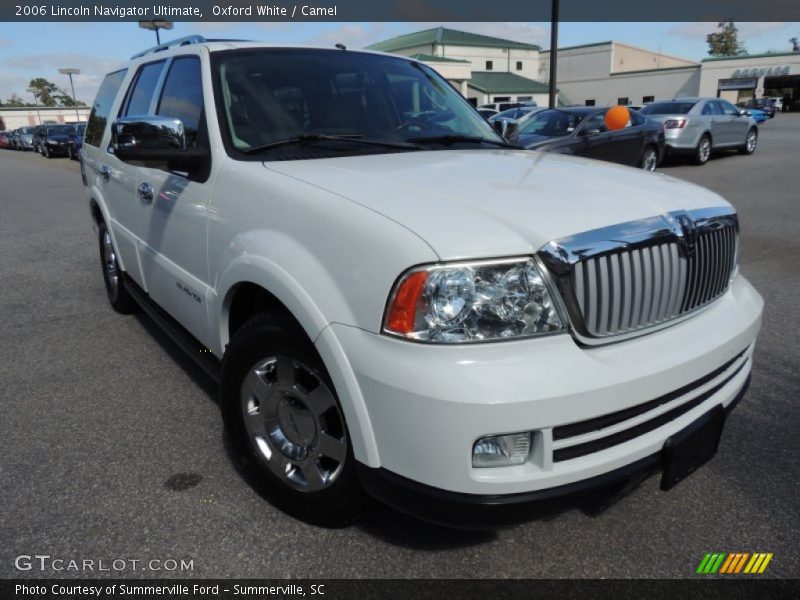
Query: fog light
{"x":501,"y":450}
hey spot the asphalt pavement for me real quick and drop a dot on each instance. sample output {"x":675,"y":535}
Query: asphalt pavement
{"x":112,"y":447}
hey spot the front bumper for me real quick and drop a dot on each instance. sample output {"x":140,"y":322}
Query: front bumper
{"x":425,"y":405}
{"x":477,"y":511}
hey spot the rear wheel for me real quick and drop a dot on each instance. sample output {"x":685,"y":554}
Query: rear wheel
{"x":703,"y":151}
{"x":751,"y":141}
{"x":285,"y":423}
{"x":649,"y":160}
{"x":70,"y":152}
{"x":121,"y":301}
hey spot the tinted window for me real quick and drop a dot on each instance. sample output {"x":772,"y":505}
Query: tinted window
{"x":60,"y":130}
{"x":596,"y":122}
{"x":143,"y":89}
{"x":712,"y":108}
{"x":102,"y":107}
{"x":668,"y":108}
{"x":182,"y":97}
{"x":551,"y":123}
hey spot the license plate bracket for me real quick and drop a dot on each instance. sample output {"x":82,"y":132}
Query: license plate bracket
{"x":691,"y":447}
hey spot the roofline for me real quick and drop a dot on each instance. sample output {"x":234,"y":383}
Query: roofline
{"x":746,"y":56}
{"x":438,"y":40}
{"x":581,"y":46}
{"x":661,"y":69}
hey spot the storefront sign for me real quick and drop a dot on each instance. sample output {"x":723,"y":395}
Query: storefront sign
{"x":762,"y":71}
{"x":737,"y":84}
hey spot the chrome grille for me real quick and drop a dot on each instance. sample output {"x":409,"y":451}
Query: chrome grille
{"x":624,"y":279}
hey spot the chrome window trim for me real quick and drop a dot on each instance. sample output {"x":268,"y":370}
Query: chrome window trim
{"x":560,"y":257}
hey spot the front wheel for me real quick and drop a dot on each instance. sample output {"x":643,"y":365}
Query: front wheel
{"x":703,"y":151}
{"x":70,"y":152}
{"x":46,"y":152}
{"x":649,"y":160}
{"x":285,"y":423}
{"x":751,"y":141}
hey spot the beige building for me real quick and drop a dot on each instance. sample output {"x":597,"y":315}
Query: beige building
{"x":14,"y":118}
{"x":607,"y":73}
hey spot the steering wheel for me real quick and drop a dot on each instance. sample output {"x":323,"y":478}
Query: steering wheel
{"x":419,"y":124}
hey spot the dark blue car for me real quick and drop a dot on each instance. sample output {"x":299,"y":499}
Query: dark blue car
{"x":75,"y":142}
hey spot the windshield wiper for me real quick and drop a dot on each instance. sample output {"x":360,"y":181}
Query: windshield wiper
{"x":460,"y":139}
{"x":305,"y":138}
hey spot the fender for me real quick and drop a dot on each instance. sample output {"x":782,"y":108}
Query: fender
{"x":256,"y":268}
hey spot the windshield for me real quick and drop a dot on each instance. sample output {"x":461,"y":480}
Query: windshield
{"x":668,"y":108}
{"x":551,"y":123}
{"x":273,"y":95}
{"x":60,"y":130}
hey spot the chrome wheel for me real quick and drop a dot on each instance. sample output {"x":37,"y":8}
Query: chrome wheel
{"x":752,"y":140}
{"x":704,"y":150}
{"x":110,"y":267}
{"x":294,"y":423}
{"x":649,"y":160}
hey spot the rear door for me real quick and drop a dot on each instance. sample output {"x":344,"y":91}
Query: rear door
{"x":174,"y":206}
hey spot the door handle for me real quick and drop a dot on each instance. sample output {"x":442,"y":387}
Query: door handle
{"x":145,"y":191}
{"x":105,"y":171}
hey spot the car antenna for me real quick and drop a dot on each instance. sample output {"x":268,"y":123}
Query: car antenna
{"x":341,"y":46}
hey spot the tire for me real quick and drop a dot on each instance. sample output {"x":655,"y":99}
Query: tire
{"x":118,"y":296}
{"x":703,"y":151}
{"x":46,"y":152}
{"x":649,"y":160}
{"x":285,"y":423}
{"x":751,"y":142}
{"x":70,"y":153}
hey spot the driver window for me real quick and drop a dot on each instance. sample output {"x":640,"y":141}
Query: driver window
{"x":728,"y":108}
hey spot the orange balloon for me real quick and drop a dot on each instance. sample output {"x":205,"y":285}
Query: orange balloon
{"x":617,"y":117}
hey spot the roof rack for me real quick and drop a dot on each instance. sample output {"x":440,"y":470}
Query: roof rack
{"x":184,"y":41}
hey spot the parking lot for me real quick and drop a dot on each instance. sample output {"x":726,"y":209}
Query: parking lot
{"x":112,"y":443}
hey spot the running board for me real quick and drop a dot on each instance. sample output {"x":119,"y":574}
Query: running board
{"x":187,"y":342}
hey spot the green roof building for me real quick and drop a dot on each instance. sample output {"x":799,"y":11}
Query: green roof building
{"x":483,"y":68}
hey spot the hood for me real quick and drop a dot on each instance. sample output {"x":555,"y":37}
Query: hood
{"x":492,"y":203}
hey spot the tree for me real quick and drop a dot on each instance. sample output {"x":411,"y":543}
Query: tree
{"x":795,"y":44}
{"x":725,"y":42}
{"x":15,"y":101}
{"x":45,"y":90}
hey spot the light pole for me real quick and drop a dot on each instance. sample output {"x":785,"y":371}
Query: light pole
{"x":155,"y":26}
{"x":35,"y":102}
{"x":553,"y":53}
{"x":70,"y":71}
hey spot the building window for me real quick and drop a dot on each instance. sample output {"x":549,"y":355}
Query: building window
{"x":501,"y":99}
{"x":488,"y":65}
{"x":646,"y":99}
{"x":590,"y":103}
{"x":623,"y":101}
{"x":519,"y":65}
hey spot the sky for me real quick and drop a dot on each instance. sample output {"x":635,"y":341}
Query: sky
{"x":29,"y":50}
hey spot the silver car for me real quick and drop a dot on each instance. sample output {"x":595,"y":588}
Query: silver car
{"x":698,"y":126}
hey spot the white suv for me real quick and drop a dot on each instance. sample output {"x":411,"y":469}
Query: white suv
{"x":394,"y":299}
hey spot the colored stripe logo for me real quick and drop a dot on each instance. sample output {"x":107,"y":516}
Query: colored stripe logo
{"x":734,"y":563}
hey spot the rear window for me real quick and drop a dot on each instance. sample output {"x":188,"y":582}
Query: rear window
{"x":102,"y":107}
{"x":668,"y":108}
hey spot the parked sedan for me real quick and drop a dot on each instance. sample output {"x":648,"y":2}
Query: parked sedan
{"x":76,"y":142}
{"x":582,"y":131}
{"x":55,"y":140}
{"x":699,"y":126}
{"x":5,"y":139}
{"x":24,"y":139}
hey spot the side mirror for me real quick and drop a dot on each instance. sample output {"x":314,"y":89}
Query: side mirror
{"x":743,"y":112}
{"x":591,"y":132}
{"x":152,"y":139}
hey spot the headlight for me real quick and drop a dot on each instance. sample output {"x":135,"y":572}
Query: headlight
{"x":472,"y":302}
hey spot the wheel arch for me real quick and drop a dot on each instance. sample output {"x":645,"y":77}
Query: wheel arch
{"x":260,"y":293}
